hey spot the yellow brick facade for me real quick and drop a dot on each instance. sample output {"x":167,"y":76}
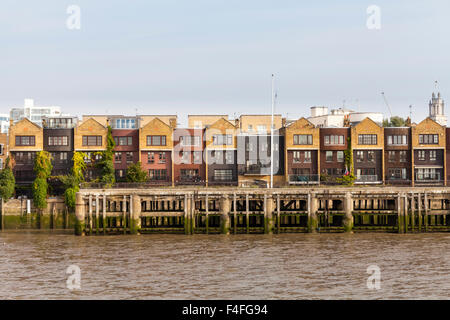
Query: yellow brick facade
{"x":224,"y":127}
{"x":26,"y":128}
{"x":170,"y":120}
{"x":245,"y":121}
{"x":367,"y":126}
{"x":156,"y":127}
{"x":89,"y":127}
{"x":427,"y":126}
{"x":202,"y":121}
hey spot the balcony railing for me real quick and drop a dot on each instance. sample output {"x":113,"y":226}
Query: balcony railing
{"x":367,"y":179}
{"x":428,"y":177}
{"x":304,"y":179}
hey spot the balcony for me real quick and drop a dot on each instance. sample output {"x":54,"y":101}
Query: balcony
{"x":428,"y":178}
{"x":257,"y":169}
{"x":367,"y":179}
{"x":190,"y":181}
{"x":304,"y":179}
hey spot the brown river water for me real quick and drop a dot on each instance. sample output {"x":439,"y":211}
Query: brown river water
{"x":289,"y":266}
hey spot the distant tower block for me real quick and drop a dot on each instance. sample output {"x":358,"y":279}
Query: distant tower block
{"x":437,"y":109}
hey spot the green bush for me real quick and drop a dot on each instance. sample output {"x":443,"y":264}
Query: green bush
{"x":70,"y":197}
{"x":39,"y":189}
{"x":135,"y":173}
{"x":7,"y":182}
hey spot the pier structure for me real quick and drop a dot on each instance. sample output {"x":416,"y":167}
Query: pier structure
{"x":250,"y":211}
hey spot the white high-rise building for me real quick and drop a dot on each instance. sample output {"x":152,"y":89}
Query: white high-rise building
{"x":34,"y":113}
{"x":436,"y":106}
{"x":4,"y":122}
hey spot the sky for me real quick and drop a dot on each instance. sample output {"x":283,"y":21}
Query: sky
{"x":217,"y":56}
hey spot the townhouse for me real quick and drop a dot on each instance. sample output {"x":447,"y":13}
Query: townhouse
{"x":428,"y":153}
{"x":188,"y":156}
{"x":254,"y":150}
{"x":301,"y":152}
{"x":397,"y":155}
{"x":25,"y":140}
{"x":156,"y":150}
{"x":333,"y":144}
{"x":367,"y":141}
{"x":59,"y":142}
{"x":90,"y":137}
{"x":221,"y":153}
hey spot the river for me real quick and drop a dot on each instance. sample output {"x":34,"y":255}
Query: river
{"x":289,"y":266}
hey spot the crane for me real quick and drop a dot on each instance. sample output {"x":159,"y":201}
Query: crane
{"x":387,"y":104}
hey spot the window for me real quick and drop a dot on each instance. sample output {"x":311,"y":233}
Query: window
{"x":150,"y":157}
{"x":1,"y":149}
{"x":261,"y":128}
{"x":25,"y":140}
{"x":391,"y":156}
{"x":370,"y":139}
{"x":359,"y":156}
{"x":156,"y":140}
{"x":229,"y":157}
{"x":162,"y":157}
{"x":125,"y":124}
{"x":223,"y":175}
{"x":197,"y":157}
{"x":157,"y":174}
{"x":118,"y":157}
{"x":329,"y":156}
{"x":296,"y":157}
{"x":397,"y":140}
{"x":185,"y":157}
{"x":302,"y":139}
{"x":189,"y":174}
{"x":92,"y":140}
{"x":129,"y":157}
{"x":428,"y":174}
{"x":334,"y":140}
{"x":222,"y":139}
{"x":58,"y":141}
{"x":63,"y":157}
{"x":365,"y":172}
{"x":370,"y":156}
{"x":397,"y":173}
{"x":307,"y":156}
{"x":340,"y":156}
{"x":402,"y":156}
{"x":190,"y":141}
{"x":428,"y":139}
{"x":433,"y":155}
{"x":421,"y":155}
{"x":123,"y":141}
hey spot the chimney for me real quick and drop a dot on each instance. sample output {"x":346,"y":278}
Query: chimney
{"x":173,"y":123}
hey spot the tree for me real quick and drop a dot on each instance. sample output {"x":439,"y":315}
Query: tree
{"x":348,"y":155}
{"x":394,"y":121}
{"x":43,"y":169}
{"x":7,"y":181}
{"x":72,"y":181}
{"x":106,"y":163}
{"x":135,"y":173}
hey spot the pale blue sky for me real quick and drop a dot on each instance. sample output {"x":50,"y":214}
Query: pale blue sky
{"x":206,"y":56}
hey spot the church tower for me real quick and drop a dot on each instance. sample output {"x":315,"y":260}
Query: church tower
{"x":437,"y":109}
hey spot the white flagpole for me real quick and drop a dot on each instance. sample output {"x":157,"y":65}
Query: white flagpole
{"x":271,"y":132}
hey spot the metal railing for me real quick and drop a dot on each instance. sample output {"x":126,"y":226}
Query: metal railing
{"x":304,"y":178}
{"x":367,"y":179}
{"x":428,"y":177}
